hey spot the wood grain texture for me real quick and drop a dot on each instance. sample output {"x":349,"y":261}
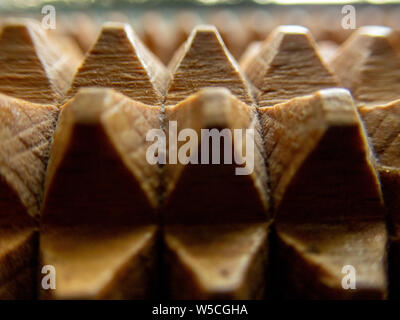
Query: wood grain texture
{"x":219,"y":194}
{"x":203,"y":61}
{"x":120,"y":61}
{"x":383,"y":127}
{"x":25,"y":135}
{"x":99,"y":212}
{"x":286,"y":66}
{"x":328,"y":201}
{"x":31,"y":67}
{"x":368,"y":65}
{"x":216,"y":261}
{"x":98,"y":172}
{"x":318,"y":157}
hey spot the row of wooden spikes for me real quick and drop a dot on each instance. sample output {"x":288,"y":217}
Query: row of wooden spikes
{"x":238,"y":28}
{"x":103,"y":218}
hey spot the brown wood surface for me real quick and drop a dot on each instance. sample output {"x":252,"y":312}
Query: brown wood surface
{"x":327,"y":197}
{"x":220,"y":195}
{"x":286,"y":66}
{"x":99,"y":213}
{"x":369,"y":65}
{"x":103,"y":201}
{"x":31,"y":67}
{"x":226,"y":261}
{"x":119,"y":60}
{"x":203,"y":61}
{"x":383,"y":125}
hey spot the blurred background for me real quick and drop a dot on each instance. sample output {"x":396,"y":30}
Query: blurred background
{"x":165,"y":25}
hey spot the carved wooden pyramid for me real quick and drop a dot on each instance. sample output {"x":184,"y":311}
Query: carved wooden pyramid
{"x":99,"y":157}
{"x":119,"y":60}
{"x":202,"y":62}
{"x":290,"y":216}
{"x":368,"y":65}
{"x":322,"y":152}
{"x":286,"y":66}
{"x":194,"y":270}
{"x":327,"y":197}
{"x":99,"y":138}
{"x":220,"y":190}
{"x":25,"y":133}
{"x":31,"y":68}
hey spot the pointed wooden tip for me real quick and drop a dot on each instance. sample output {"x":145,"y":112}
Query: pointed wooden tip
{"x":368,"y":65}
{"x":320,"y":136}
{"x":220,"y":191}
{"x":25,"y":136}
{"x":287,"y":66}
{"x":31,"y":68}
{"x":217,"y":262}
{"x":98,"y":156}
{"x":100,"y":264}
{"x":100,"y":199}
{"x":119,"y":60}
{"x":202,"y":62}
{"x":315,"y":258}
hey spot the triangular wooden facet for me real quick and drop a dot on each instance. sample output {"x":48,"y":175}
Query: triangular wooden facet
{"x":286,"y":66}
{"x":319,"y":159}
{"x":368,"y":65}
{"x":218,"y":190}
{"x":98,"y":172}
{"x":202,"y":62}
{"x":25,"y":134}
{"x":317,"y":260}
{"x":31,"y":68}
{"x":99,"y":212}
{"x":101,"y":263}
{"x":120,"y":61}
{"x":327,"y":197}
{"x":216,"y":262}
